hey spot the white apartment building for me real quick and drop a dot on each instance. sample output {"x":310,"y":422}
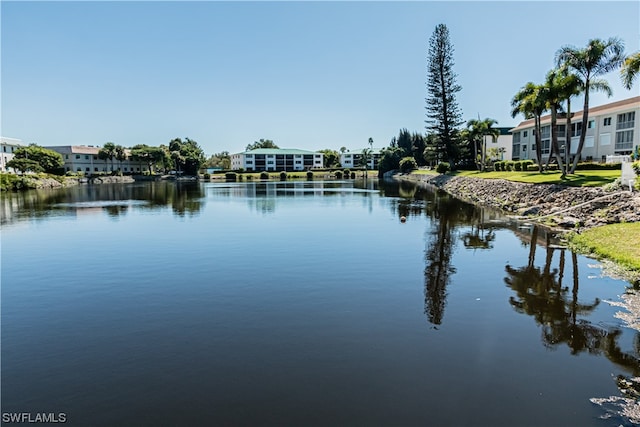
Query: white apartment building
{"x":276,"y":159}
{"x":84,"y":158}
{"x":7,"y":148}
{"x":353,"y":158}
{"x":612,"y":129}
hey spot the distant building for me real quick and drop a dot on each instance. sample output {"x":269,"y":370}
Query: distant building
{"x":276,"y":159}
{"x":7,"y":148}
{"x":353,"y":158}
{"x":83,"y":158}
{"x":612,"y":130}
{"x":503,"y":144}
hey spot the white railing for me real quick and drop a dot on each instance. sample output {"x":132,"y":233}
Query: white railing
{"x":619,"y":159}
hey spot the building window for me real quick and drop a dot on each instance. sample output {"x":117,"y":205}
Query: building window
{"x":516,"y":138}
{"x":66,"y":156}
{"x":561,"y":129}
{"x":516,"y":151}
{"x":86,"y":157}
{"x":4,"y":148}
{"x":77,"y":156}
{"x":525,"y":133}
{"x":626,"y":120}
{"x":576,"y":129}
{"x":95,"y":157}
{"x":607,"y":121}
{"x":298,"y":162}
{"x":624,"y":140}
{"x":591,"y":124}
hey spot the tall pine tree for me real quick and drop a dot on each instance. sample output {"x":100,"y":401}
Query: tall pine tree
{"x":443,"y":113}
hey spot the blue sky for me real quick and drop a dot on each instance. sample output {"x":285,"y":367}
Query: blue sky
{"x":308,"y":75}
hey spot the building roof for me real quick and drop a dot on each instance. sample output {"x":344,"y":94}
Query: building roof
{"x":601,"y":109}
{"x":278,"y":151}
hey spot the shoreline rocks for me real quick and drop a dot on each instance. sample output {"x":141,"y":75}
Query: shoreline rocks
{"x":555,"y":206}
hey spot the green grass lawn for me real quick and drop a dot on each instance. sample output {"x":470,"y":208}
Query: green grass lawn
{"x":617,"y":242}
{"x":585,"y":178}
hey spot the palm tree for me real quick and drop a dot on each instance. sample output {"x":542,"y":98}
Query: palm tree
{"x":120,"y":155}
{"x":630,"y":69}
{"x":477,"y":131}
{"x":107,"y":152}
{"x":599,"y":57}
{"x":560,"y":85}
{"x":529,"y":101}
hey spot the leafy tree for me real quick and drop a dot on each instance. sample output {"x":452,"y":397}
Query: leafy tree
{"x":407,"y":164}
{"x":107,"y":152}
{"x":530,"y":102}
{"x":630,"y":70}
{"x":120,"y":154}
{"x":24,"y":165}
{"x":263,"y":143}
{"x":219,"y":160}
{"x":443,"y":114}
{"x":331,"y":158}
{"x":343,"y":150}
{"x":187,"y":155}
{"x":390,"y":159}
{"x":418,"y":144}
{"x":47,"y":160}
{"x":150,"y":155}
{"x":598,"y":58}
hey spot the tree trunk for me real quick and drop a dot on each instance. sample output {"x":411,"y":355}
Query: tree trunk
{"x":538,"y":139}
{"x":585,"y":118}
{"x":567,"y":138}
{"x":554,"y":139}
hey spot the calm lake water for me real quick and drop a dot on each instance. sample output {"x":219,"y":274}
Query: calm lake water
{"x":303,"y":304}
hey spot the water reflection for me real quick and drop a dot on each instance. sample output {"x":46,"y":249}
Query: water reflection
{"x":539,"y":293}
{"x":184,"y":198}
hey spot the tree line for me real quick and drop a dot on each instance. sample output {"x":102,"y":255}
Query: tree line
{"x":184,"y":156}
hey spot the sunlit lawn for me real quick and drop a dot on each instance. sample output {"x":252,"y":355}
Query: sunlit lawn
{"x":617,"y":242}
{"x":583,"y":178}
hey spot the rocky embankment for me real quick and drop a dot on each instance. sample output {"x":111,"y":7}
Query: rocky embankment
{"x":556,"y":206}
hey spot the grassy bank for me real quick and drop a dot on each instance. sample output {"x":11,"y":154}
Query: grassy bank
{"x":585,"y":178}
{"x":616,"y":242}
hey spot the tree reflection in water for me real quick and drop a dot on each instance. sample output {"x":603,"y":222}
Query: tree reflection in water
{"x":541,"y":294}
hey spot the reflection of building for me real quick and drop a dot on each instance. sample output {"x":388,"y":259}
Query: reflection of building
{"x":7,"y":147}
{"x":611,"y":130}
{"x":83,"y":158}
{"x":353,"y":158}
{"x":276,"y":159}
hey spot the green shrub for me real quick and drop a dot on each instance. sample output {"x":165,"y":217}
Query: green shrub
{"x":309,"y":175}
{"x":339,"y":174}
{"x":526,"y":164}
{"x":598,"y":166}
{"x":510,"y":165}
{"x":207,"y":176}
{"x":347,"y":173}
{"x":231,"y":176}
{"x":532,"y":167}
{"x":517,"y":166}
{"x":552,"y":167}
{"x":283,"y":176}
{"x":407,"y":164}
{"x":443,"y":167}
{"x":264,"y":175}
{"x":636,"y":167}
{"x":497,"y":166}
